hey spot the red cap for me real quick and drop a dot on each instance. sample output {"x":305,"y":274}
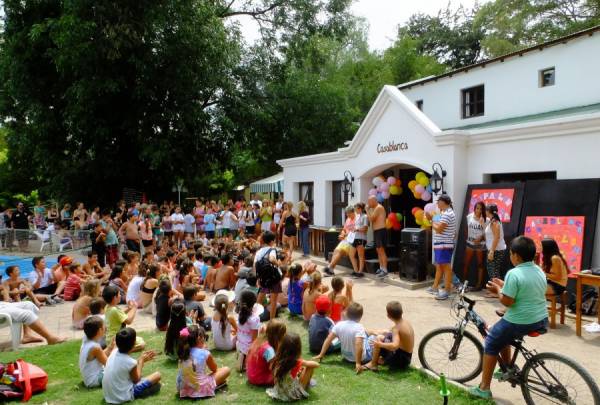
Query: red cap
{"x":65,"y":261}
{"x":322,"y":303}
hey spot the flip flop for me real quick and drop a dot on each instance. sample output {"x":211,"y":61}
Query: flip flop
{"x":369,"y":368}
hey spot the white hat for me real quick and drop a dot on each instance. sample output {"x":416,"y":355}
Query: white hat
{"x":229,"y":294}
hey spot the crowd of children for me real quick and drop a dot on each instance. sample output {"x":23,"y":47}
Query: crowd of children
{"x":178,"y":280}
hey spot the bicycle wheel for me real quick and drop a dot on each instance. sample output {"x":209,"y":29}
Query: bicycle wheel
{"x":435,"y":354}
{"x":551,"y":378}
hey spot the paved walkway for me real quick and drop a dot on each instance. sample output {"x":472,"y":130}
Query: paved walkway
{"x":419,"y":307}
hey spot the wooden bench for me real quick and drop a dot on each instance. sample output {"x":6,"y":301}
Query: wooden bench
{"x":554,"y":300}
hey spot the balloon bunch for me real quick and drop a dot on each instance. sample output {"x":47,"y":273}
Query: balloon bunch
{"x":420,"y":217}
{"x":385,"y":187}
{"x":394,"y":221}
{"x":420,"y":187}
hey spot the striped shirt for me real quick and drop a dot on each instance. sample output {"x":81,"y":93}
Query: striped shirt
{"x":445,"y":240}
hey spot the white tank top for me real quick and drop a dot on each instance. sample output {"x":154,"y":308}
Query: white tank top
{"x":489,"y":237}
{"x":90,"y":370}
{"x":222,"y":341}
{"x":474,"y":230}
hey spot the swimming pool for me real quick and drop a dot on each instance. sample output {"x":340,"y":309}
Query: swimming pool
{"x":24,"y":264}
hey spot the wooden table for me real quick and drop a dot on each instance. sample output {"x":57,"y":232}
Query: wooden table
{"x":584,"y":279}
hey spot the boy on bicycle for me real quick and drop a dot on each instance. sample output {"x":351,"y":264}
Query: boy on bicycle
{"x":523,"y":292}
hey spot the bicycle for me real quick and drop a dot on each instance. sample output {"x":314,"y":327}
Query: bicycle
{"x":543,"y":378}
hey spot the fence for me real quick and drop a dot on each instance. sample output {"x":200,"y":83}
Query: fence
{"x":30,"y":242}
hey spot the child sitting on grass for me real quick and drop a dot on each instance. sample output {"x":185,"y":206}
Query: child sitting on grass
{"x":162,"y":301}
{"x":225,"y":277}
{"x":122,"y":381}
{"x":262,"y":353}
{"x":339,"y":302}
{"x":319,"y":327}
{"x":291,"y":373}
{"x":177,"y":322}
{"x":193,"y":378}
{"x":396,"y":346}
{"x":295,"y":290}
{"x":192,"y":304}
{"x":223,"y":324}
{"x":353,"y":338}
{"x":81,"y":309}
{"x":248,"y":326}
{"x":92,"y":358}
{"x":116,"y":318}
{"x":314,"y":290}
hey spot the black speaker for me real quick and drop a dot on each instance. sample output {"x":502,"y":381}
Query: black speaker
{"x":413,"y":263}
{"x":331,"y":242}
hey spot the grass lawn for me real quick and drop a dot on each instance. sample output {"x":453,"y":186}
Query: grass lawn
{"x":336,"y":380}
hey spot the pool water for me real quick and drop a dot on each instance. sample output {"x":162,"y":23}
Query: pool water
{"x":24,"y":264}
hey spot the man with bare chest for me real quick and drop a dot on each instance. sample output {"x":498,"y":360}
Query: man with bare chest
{"x":376,"y":214}
{"x":130,"y":232}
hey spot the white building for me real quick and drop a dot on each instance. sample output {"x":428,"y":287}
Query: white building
{"x":530,"y":114}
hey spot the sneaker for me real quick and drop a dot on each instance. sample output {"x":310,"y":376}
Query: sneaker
{"x":57,"y":299}
{"x":355,"y":275}
{"x":441,"y":295}
{"x":431,"y":290}
{"x":478,"y":392}
{"x":498,"y":375}
{"x":328,"y":271}
{"x":50,"y":302}
{"x":378,"y":272}
{"x":360,"y":275}
{"x":383,"y":274}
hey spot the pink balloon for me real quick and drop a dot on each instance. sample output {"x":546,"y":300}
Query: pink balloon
{"x":419,"y":189}
{"x":385,"y":194}
{"x":426,"y":196}
{"x":391,"y":180}
{"x":429,"y":208}
{"x":384,"y":187}
{"x":373,"y":191}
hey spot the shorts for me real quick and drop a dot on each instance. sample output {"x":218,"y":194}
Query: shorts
{"x":132,"y":245}
{"x":367,"y":354}
{"x":276,"y":289}
{"x":344,"y":247}
{"x":557,"y":288}
{"x":397,"y":359}
{"x":475,"y":247}
{"x":147,"y":243}
{"x":504,"y":333}
{"x":443,"y":256}
{"x":359,"y":242}
{"x":289,"y":232}
{"x":48,"y":290}
{"x":25,"y":312}
{"x":144,"y":388}
{"x":381,"y":238}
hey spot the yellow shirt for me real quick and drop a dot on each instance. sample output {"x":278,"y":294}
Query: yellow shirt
{"x":115,"y":317}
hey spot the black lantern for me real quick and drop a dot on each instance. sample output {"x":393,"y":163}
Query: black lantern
{"x":347,"y":184}
{"x":437,"y":178}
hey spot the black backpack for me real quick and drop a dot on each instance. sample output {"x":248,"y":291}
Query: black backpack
{"x":268,"y":274}
{"x":589,"y":303}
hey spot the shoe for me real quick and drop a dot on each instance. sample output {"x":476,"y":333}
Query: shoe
{"x":312,"y":383}
{"x":50,"y":302}
{"x":431,"y":290}
{"x":355,"y":275}
{"x":378,"y":272}
{"x":328,"y":271}
{"x":360,"y":275}
{"x":441,"y":295}
{"x":57,"y":299}
{"x":478,"y":392}
{"x":383,"y":274}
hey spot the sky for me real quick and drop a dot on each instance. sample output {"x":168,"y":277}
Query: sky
{"x":383,"y":17}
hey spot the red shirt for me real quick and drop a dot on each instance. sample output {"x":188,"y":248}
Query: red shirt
{"x":257,"y":367}
{"x":72,"y":287}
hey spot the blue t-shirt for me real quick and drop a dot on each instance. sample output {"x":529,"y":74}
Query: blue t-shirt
{"x":318,"y":329}
{"x":209,"y":222}
{"x":526,"y":284}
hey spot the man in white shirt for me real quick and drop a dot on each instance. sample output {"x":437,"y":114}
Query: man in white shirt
{"x":256,"y":200}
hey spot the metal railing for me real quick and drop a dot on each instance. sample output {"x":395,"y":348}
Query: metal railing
{"x":44,"y":241}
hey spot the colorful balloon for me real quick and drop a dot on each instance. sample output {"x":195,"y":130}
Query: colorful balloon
{"x":428,"y":188}
{"x":394,"y":190}
{"x":412,"y":184}
{"x":414,"y":210}
{"x":391,"y":180}
{"x":419,"y":189}
{"x":376,"y":181}
{"x":385,"y":194}
{"x":399,"y":217}
{"x":426,"y":196}
{"x":420,"y":215}
{"x":419,"y":175}
{"x":398,"y":182}
{"x":396,"y":226}
{"x":380,"y":198}
{"x":372,"y":192}
{"x":424,"y":181}
{"x":391,"y":216}
{"x":388,"y":223}
{"x":417,"y":195}
{"x":429,"y":208}
{"x":384,"y":187}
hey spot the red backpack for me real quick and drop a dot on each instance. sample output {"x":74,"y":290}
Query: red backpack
{"x":25,"y":380}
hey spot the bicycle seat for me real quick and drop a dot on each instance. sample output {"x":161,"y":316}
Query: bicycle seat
{"x":538,"y":332}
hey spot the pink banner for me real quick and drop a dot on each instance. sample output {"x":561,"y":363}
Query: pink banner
{"x":502,"y":197}
{"x":566,"y":231}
